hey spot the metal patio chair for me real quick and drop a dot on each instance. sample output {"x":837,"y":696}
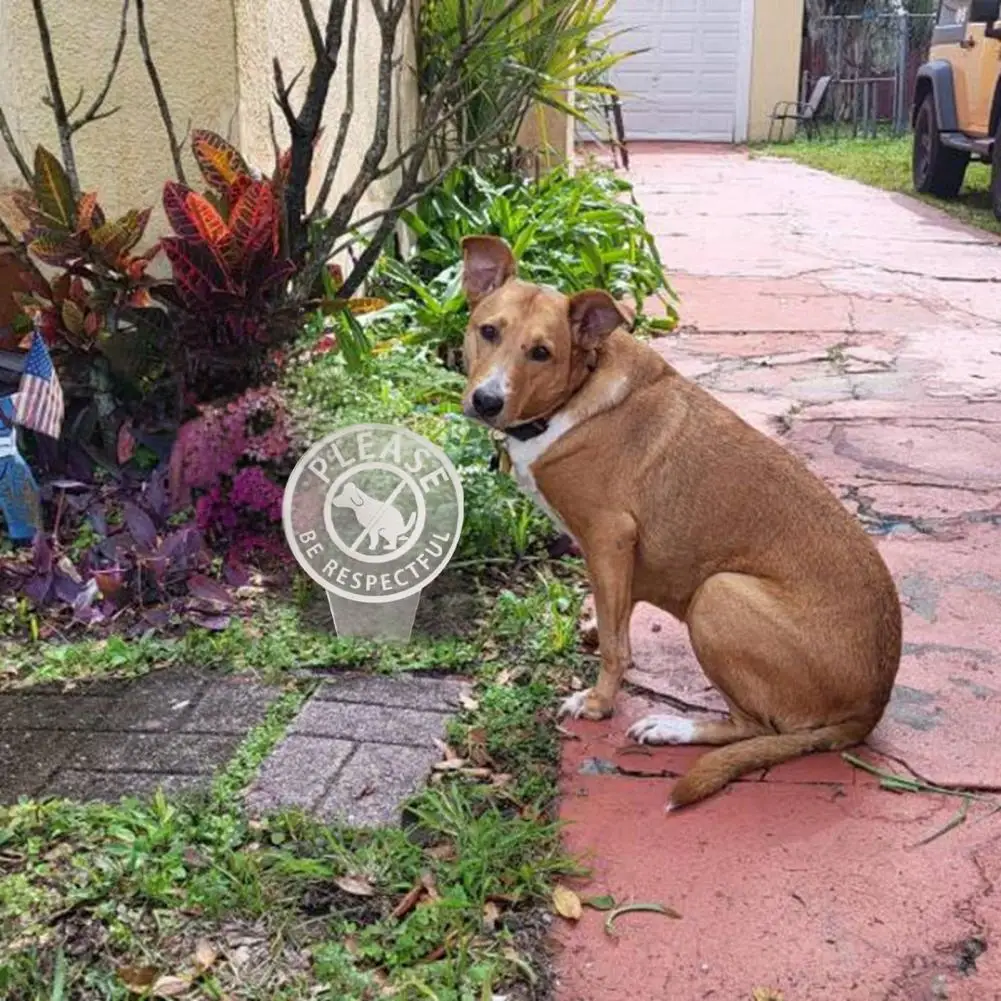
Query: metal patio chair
{"x":805,"y":113}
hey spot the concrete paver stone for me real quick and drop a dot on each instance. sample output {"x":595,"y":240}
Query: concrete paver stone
{"x":359,"y":748}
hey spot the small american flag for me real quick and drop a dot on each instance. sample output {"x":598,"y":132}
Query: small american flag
{"x":39,"y":400}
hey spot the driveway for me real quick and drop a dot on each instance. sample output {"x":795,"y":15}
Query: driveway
{"x":863,"y":330}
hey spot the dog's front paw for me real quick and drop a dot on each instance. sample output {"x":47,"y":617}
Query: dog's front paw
{"x":584,"y":705}
{"x":661,"y":729}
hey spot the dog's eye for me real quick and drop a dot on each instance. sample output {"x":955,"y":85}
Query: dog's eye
{"x":539,"y":353}
{"x":489,"y":332}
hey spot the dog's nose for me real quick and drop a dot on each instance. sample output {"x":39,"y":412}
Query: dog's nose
{"x":487,"y":403}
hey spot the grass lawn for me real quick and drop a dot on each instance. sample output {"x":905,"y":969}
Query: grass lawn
{"x":886,"y":163}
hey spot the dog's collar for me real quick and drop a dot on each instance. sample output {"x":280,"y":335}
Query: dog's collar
{"x":529,"y":430}
{"x":532,"y":429}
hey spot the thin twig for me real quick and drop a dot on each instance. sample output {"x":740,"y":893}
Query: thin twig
{"x":161,"y":100}
{"x":901,"y":783}
{"x":319,"y":49}
{"x":12,"y":148}
{"x":428,"y":132}
{"x":305,"y":127}
{"x":283,"y":93}
{"x":94,"y":113}
{"x":958,"y":818}
{"x":348,"y":202}
{"x":411,"y":190}
{"x":345,"y":121}
{"x":275,"y":148}
{"x":63,"y":126}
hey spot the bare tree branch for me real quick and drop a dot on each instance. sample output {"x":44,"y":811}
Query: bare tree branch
{"x":275,"y":148}
{"x":307,"y":123}
{"x":388,"y":21}
{"x":428,"y":132}
{"x":161,"y":100}
{"x":319,"y":48}
{"x":8,"y":140}
{"x":94,"y":113}
{"x":411,"y":189}
{"x":63,"y":126}
{"x":283,"y":93}
{"x":345,"y":121}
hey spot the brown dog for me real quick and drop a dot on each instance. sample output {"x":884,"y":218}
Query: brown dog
{"x":674,"y":500}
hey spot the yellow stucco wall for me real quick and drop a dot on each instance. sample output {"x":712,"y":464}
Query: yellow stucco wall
{"x":125,"y":158}
{"x":778,"y":28}
{"x":214,"y":58}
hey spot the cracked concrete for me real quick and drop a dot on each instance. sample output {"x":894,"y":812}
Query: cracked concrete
{"x":864,"y":330}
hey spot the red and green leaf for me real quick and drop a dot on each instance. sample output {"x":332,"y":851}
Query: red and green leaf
{"x":92,"y":325}
{"x":88,"y":213}
{"x":198,"y":273}
{"x":73,"y":317}
{"x":254,"y":219}
{"x":114,"y":239}
{"x":210,"y":224}
{"x":273,"y":274}
{"x":52,"y":246}
{"x":16,"y":210}
{"x":175,"y":205}
{"x":220,"y":163}
{"x":53,"y":190}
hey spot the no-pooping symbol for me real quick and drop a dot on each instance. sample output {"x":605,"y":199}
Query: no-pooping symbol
{"x":373,"y":514}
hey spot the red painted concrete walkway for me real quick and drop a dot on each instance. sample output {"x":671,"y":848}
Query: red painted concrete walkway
{"x":865,"y":331}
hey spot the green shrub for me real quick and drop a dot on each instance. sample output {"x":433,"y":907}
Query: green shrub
{"x":571,"y":232}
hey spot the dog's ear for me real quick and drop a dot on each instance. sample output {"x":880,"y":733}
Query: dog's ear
{"x":487,"y":263}
{"x":594,"y":314}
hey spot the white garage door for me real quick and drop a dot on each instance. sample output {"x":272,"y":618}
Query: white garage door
{"x":686,"y":85}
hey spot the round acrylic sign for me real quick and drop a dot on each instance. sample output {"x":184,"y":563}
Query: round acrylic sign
{"x":373,"y":513}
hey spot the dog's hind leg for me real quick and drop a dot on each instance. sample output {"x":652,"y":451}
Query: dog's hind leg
{"x":791,"y":689}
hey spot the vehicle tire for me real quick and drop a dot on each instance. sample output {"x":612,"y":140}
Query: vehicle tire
{"x":936,"y":169}
{"x":996,"y":175}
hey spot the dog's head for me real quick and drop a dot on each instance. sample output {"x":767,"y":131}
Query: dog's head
{"x":528,"y":349}
{"x":350,"y":496}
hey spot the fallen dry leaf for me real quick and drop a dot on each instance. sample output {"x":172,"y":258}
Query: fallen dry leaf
{"x":409,"y":901}
{"x":444,"y":852}
{"x":504,"y":677}
{"x":170,"y":987}
{"x":137,"y":978}
{"x":576,"y":684}
{"x":450,"y":765}
{"x":205,"y":955}
{"x":766,"y":994}
{"x":491,"y":915}
{"x":567,"y":904}
{"x":357,"y":886}
{"x":469,"y":703}
{"x":431,"y":886}
{"x":477,"y":773}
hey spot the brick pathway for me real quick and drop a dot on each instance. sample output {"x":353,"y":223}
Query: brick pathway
{"x":864,"y":329}
{"x":360,"y":747}
{"x":104,"y":740}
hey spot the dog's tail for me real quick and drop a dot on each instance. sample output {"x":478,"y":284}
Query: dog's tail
{"x":718,"y":768}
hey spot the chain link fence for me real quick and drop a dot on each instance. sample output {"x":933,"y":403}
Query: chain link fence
{"x":872,"y":59}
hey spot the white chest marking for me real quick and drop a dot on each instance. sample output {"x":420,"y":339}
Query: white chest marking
{"x":524,"y":455}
